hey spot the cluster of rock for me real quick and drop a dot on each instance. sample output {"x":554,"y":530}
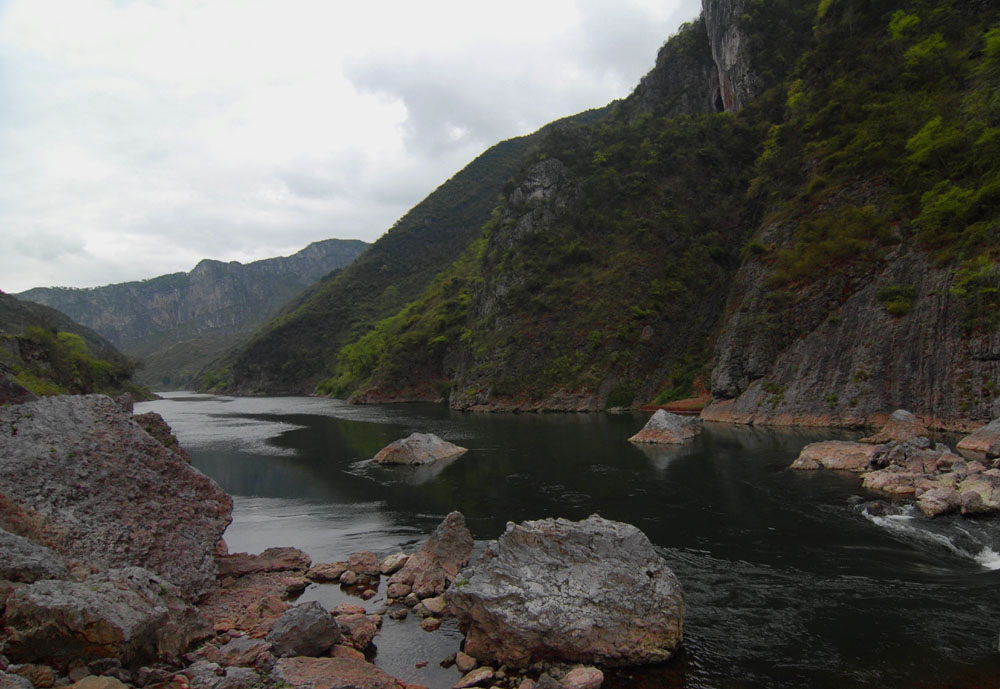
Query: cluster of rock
{"x":664,"y":427}
{"x":132,"y":586}
{"x":417,"y":449}
{"x":902,"y":461}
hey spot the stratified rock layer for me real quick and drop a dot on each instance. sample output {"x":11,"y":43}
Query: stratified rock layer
{"x":418,"y":448}
{"x":80,"y":477}
{"x":664,"y":427}
{"x":593,"y":591}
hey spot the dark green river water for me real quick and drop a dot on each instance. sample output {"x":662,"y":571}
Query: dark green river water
{"x":791,"y":581}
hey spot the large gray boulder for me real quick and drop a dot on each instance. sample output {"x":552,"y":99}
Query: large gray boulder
{"x":130,"y":614}
{"x":430,"y":570}
{"x":78,"y":475}
{"x":664,"y":427}
{"x":304,"y":630}
{"x":416,"y":449}
{"x":593,"y":591}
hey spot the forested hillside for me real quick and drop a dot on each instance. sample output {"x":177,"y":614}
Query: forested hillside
{"x":824,"y":251}
{"x":45,"y":352}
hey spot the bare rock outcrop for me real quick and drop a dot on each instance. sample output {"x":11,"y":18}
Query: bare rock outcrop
{"x":430,"y":570}
{"x":418,"y":448}
{"x":593,"y":591}
{"x":78,"y":475}
{"x":129,"y":614}
{"x":664,"y":427}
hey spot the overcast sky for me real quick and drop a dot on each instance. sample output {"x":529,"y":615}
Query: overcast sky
{"x":138,"y":137}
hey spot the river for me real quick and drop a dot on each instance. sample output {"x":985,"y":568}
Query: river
{"x":793,"y":579}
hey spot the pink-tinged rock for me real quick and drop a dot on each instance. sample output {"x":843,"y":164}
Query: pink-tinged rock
{"x":430,"y":624}
{"x":902,"y":426}
{"x":664,"y":427}
{"x":342,"y":651}
{"x":938,"y":501}
{"x":893,"y":480}
{"x":398,"y":589}
{"x":327,"y":572}
{"x":431,"y":569}
{"x":113,"y":495}
{"x":271,"y":560}
{"x":418,"y":448}
{"x":131,"y":614}
{"x":103,"y":682}
{"x":349,"y":609}
{"x":360,"y":628}
{"x":840,"y":455}
{"x":243,"y":651}
{"x":981,"y":439}
{"x":393,"y":563}
{"x":594,"y":591}
{"x":583,"y":678}
{"x":436,"y":605}
{"x":153,"y":423}
{"x":331,"y":673}
{"x":364,"y":563}
{"x":987,"y":486}
{"x":465,"y":663}
{"x":477,"y":677}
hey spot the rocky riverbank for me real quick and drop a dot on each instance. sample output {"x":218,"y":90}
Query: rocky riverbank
{"x":115,"y":575}
{"x":901,"y":461}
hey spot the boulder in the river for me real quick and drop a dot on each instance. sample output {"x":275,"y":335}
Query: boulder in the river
{"x":304,"y":630}
{"x":664,"y":427}
{"x":430,"y":570}
{"x":418,"y":448}
{"x":839,"y":455}
{"x":79,"y":476}
{"x":593,"y":591}
{"x":130,"y":614}
{"x":903,"y":427}
{"x":982,"y":439}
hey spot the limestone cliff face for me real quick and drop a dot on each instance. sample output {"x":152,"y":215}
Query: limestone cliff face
{"x":836,"y":356}
{"x":737,"y":82}
{"x":178,"y":323}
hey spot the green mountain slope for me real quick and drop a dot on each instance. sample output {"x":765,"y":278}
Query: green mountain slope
{"x":298,"y":348}
{"x":46,"y":352}
{"x":825,"y":255}
{"x":824,"y":252}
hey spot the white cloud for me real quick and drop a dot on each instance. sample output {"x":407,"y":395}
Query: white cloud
{"x":137,"y":137}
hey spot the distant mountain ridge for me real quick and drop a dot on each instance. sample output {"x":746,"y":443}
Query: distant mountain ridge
{"x":177,"y":323}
